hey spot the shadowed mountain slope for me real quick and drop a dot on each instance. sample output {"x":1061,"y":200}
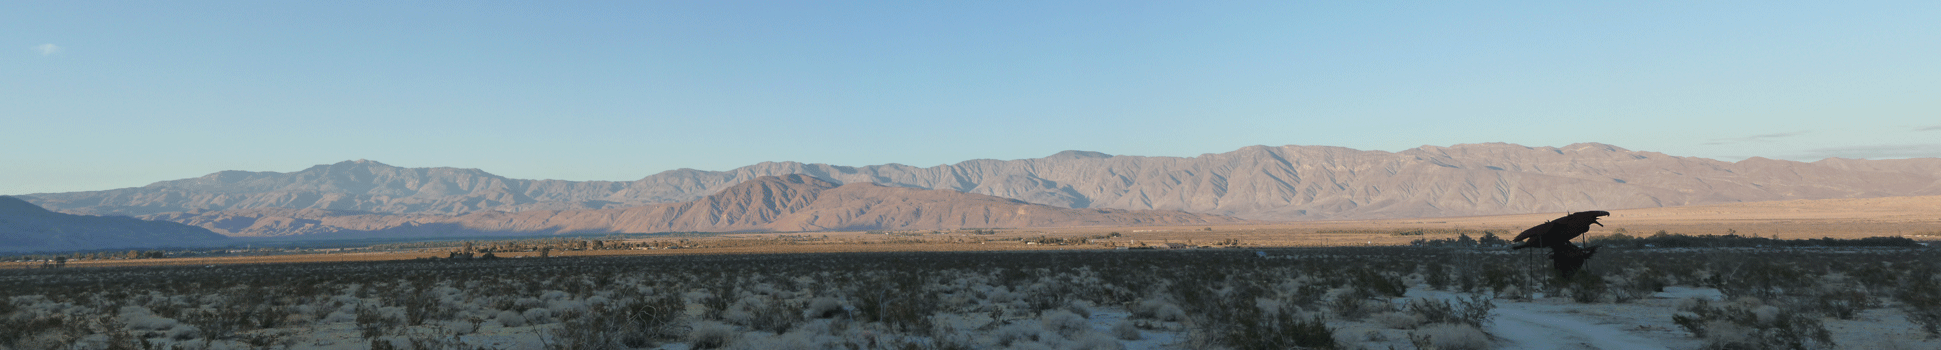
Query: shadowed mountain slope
{"x":769,"y":203}
{"x":25,"y":227}
{"x":1257,"y":182}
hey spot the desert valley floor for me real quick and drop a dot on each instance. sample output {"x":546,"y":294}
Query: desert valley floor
{"x":1352,"y":285}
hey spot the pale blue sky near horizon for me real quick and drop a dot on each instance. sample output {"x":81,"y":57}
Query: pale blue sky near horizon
{"x":102,"y":95}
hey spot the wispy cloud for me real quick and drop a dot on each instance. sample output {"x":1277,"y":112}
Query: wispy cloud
{"x":1925,"y":150}
{"x":1927,"y":128}
{"x":47,"y":49}
{"x":1754,"y":138}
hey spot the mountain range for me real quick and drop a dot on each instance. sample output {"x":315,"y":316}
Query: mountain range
{"x":25,"y":227}
{"x":768,"y":203}
{"x":1256,"y":182}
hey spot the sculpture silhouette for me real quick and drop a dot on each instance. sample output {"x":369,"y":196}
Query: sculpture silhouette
{"x":1556,"y":234}
{"x":1560,"y":231}
{"x":1567,"y":258}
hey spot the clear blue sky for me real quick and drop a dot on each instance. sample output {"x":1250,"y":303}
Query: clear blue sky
{"x":101,"y":95}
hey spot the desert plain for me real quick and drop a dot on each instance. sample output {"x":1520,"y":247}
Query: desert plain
{"x":1322,"y":284}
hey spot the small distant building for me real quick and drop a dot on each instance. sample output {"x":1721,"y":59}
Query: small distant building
{"x":1172,"y":246}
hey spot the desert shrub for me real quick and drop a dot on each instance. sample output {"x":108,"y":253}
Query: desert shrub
{"x":823,"y":307}
{"x":40,"y":331}
{"x":1284,"y":331}
{"x":1585,"y":287}
{"x":649,"y":319}
{"x":1126,"y":330}
{"x":1080,"y":307}
{"x":1436,"y":275}
{"x":710,"y":335}
{"x":599,"y":328}
{"x":1159,"y":310}
{"x":1501,"y":277}
{"x":716,"y":303}
{"x":1631,"y":284}
{"x":1221,"y":299}
{"x":1015,"y":333}
{"x":1748,"y":324}
{"x":1228,"y":316}
{"x":1398,"y":320}
{"x":1377,"y":283}
{"x":1929,"y":319}
{"x":510,"y":318}
{"x":1354,"y":305}
{"x":898,"y":302}
{"x":1449,"y":336}
{"x":1469,"y":310}
{"x":1064,"y":323}
{"x":1920,"y":295}
{"x":773,"y":315}
{"x":421,"y":305}
{"x":370,"y":323}
{"x":1094,"y":341}
{"x":1844,"y":303}
{"x":139,"y":318}
{"x":538,"y":315}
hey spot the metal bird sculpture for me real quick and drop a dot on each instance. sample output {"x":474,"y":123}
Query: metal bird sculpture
{"x":1567,"y":258}
{"x":1560,"y":231}
{"x":1556,"y":234}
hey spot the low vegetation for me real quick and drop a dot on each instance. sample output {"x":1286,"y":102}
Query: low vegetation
{"x":1208,"y":298}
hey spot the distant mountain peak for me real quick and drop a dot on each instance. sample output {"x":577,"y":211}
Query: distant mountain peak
{"x":792,"y":179}
{"x":355,"y":163}
{"x":1076,"y":154}
{"x":16,"y":206}
{"x":25,"y":227}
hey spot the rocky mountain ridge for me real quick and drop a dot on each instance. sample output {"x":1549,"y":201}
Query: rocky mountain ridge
{"x":768,"y":203}
{"x":25,"y":227}
{"x":1256,"y":182}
